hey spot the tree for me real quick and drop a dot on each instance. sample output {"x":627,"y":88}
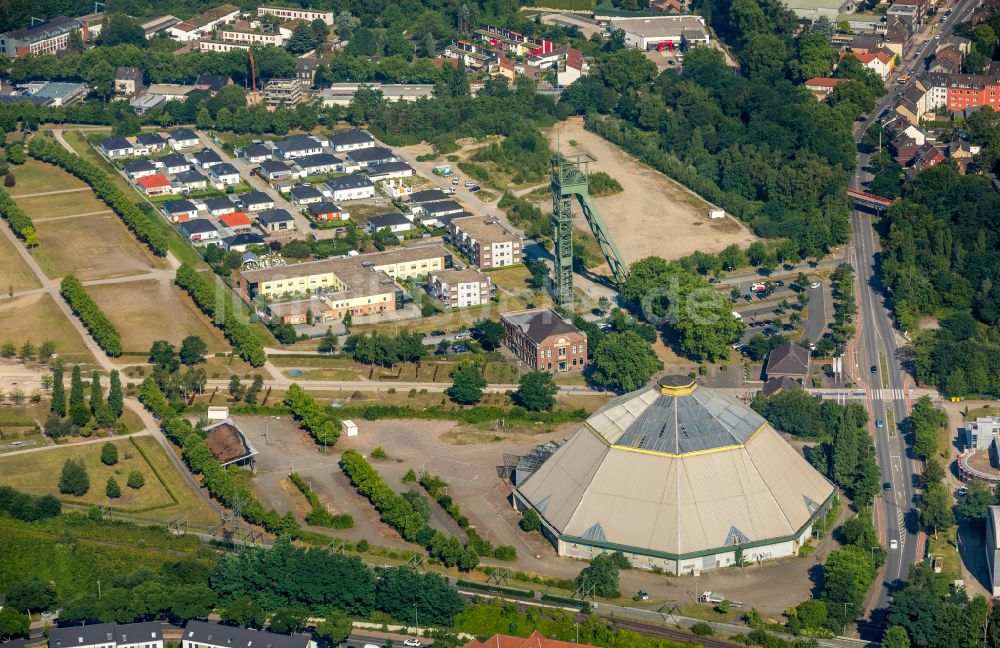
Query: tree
{"x":244,"y":612}
{"x":895,"y":637}
{"x":96,"y":399}
{"x":119,"y":29}
{"x":935,"y":510}
{"x":74,"y":480}
{"x":334,"y":629}
{"x":109,"y":454}
{"x":58,"y":404}
{"x":192,"y":602}
{"x":467,"y":384}
{"x":235,"y":387}
{"x":329,"y":342}
{"x":536,"y":391}
{"x":287,"y":620}
{"x":320,"y":31}
{"x":162,"y":354}
{"x":600,"y":577}
{"x":76,"y":387}
{"x":531,"y":521}
{"x":31,"y":594}
{"x":624,"y":362}
{"x":976,"y":502}
{"x":344,"y":25}
{"x":303,"y":39}
{"x":13,"y":623}
{"x":112,"y":489}
{"x":193,"y":350}
{"x":116,"y":398}
{"x":489,"y":333}
{"x":26,"y":353}
{"x":135,"y":480}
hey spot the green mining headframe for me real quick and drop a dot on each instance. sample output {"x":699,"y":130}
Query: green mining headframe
{"x":569,"y":180}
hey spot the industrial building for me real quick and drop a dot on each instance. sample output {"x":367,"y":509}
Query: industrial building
{"x":678,"y":477}
{"x":662,"y":32}
{"x":48,"y":37}
{"x":993,"y":548}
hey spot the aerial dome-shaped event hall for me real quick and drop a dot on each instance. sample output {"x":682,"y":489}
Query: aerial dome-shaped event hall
{"x":676,"y":476}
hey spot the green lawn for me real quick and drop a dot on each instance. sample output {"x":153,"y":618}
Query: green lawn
{"x":36,"y":177}
{"x":58,"y":205}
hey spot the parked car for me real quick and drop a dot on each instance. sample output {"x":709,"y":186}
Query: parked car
{"x":454,"y":180}
{"x":464,"y":335}
{"x":474,"y":188}
{"x":962,"y":492}
{"x":815,"y":284}
{"x":894,"y":544}
{"x":437,"y":333}
{"x":412,"y":643}
{"x":460,"y":348}
{"x":469,"y":183}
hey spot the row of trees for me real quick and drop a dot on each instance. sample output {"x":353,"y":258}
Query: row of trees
{"x":386,"y":350}
{"x":398,"y":512}
{"x":22,"y":506}
{"x":848,"y":573}
{"x":91,"y":315}
{"x":223,"y":484}
{"x":214,"y":303}
{"x":312,"y":417}
{"x":143,"y":227}
{"x":80,"y":412}
{"x":19,"y":222}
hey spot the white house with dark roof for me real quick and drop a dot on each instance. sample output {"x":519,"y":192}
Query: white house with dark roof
{"x":255,"y":201}
{"x":395,"y":223}
{"x":351,"y":140}
{"x":302,"y":195}
{"x":151,"y":142}
{"x":140,"y":168}
{"x":201,"y":634}
{"x":273,"y":221}
{"x":192,"y":180}
{"x":117,"y":147}
{"x":389,"y":171}
{"x":277,"y":170}
{"x":319,"y":163}
{"x":350,"y":187}
{"x":175,"y":163}
{"x":372,"y":155}
{"x":255,"y":153}
{"x":182,"y":138}
{"x":297,"y":146}
{"x":207,"y":158}
{"x":220,"y":206}
{"x":225,"y":174}
{"x":147,"y":634}
{"x":178,"y":211}
{"x":200,"y":230}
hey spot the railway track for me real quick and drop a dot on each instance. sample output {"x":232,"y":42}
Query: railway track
{"x":673,"y":634}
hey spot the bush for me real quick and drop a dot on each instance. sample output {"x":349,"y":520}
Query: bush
{"x":74,"y":479}
{"x":702,"y":629}
{"x":506,"y":553}
{"x":319,"y":516}
{"x":313,"y":418}
{"x":113,"y":490}
{"x":109,"y":454}
{"x":135,"y":480}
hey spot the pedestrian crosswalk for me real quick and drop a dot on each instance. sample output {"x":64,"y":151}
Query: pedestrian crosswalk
{"x":889,"y":394}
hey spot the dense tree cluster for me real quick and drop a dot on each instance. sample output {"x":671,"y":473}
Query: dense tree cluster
{"x":935,"y":614}
{"x":600,"y":577}
{"x":536,"y":391}
{"x":761,"y":147}
{"x":800,"y":413}
{"x":467,"y":384}
{"x":145,"y":229}
{"x":691,"y":311}
{"x":386,"y":350}
{"x":224,"y":484}
{"x":848,"y":573}
{"x":91,"y":315}
{"x":319,"y":581}
{"x":205,"y":294}
{"x":22,"y":506}
{"x":926,"y":421}
{"x":398,"y":512}
{"x":941,"y":254}
{"x":313,"y":417}
{"x":74,"y":480}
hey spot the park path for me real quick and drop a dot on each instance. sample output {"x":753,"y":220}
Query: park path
{"x":51,"y":193}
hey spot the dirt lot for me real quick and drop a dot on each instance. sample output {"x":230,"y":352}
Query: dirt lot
{"x":61,"y":205}
{"x":653,"y":215}
{"x":15,"y":275}
{"x":36,"y":318}
{"x":147,"y":310}
{"x":91,"y":247}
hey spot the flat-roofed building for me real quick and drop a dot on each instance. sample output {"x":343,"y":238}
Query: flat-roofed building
{"x":662,"y":32}
{"x":201,"y":25}
{"x":459,"y":288}
{"x":291,"y":13}
{"x":544,"y":341}
{"x":485,"y":241}
{"x":49,"y":37}
{"x":332,"y":275}
{"x":283,"y":92}
{"x":341,"y":94}
{"x":240,"y":33}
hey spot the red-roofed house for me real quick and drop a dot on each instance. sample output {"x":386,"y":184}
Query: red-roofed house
{"x":822,"y":86}
{"x":881,"y":60}
{"x":156,"y":185}
{"x":535,"y":640}
{"x":236,"y":221}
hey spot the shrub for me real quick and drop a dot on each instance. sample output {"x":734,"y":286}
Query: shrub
{"x":505,"y":552}
{"x":702,"y":629}
{"x":109,"y":454}
{"x":379,"y":453}
{"x":113,"y":490}
{"x":74,"y":479}
{"x":135,"y":480}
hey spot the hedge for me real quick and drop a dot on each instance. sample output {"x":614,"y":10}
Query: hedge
{"x":313,"y":417}
{"x":396,"y":511}
{"x":20,"y":223}
{"x":552,"y":598}
{"x":480,"y":414}
{"x":486,"y":587}
{"x":144,"y":229}
{"x":100,"y":327}
{"x":224,"y":484}
{"x":319,"y":516}
{"x":243,"y":338}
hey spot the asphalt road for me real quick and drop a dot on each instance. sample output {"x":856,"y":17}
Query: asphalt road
{"x":878,"y":345}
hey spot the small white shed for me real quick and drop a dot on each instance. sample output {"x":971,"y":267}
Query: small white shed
{"x":716,"y":213}
{"x":349,"y":428}
{"x":218,"y":413}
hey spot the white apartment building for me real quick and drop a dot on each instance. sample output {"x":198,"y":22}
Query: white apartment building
{"x":459,"y":288}
{"x":108,"y":635}
{"x":201,"y":634}
{"x":285,"y":13}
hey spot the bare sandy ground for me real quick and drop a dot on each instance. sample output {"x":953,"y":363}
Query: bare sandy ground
{"x":653,"y":215}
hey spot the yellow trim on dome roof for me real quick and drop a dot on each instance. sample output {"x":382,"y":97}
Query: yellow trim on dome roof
{"x":678,"y":390}
{"x":659,"y":453}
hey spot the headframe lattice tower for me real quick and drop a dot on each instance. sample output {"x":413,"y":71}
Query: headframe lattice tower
{"x":569,"y":180}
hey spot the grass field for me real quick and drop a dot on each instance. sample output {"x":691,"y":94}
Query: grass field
{"x":36,"y":318}
{"x":148,"y":310}
{"x":61,"y":205}
{"x":165,"y":494}
{"x":91,"y":247}
{"x":15,"y":274}
{"x":37,"y":177}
